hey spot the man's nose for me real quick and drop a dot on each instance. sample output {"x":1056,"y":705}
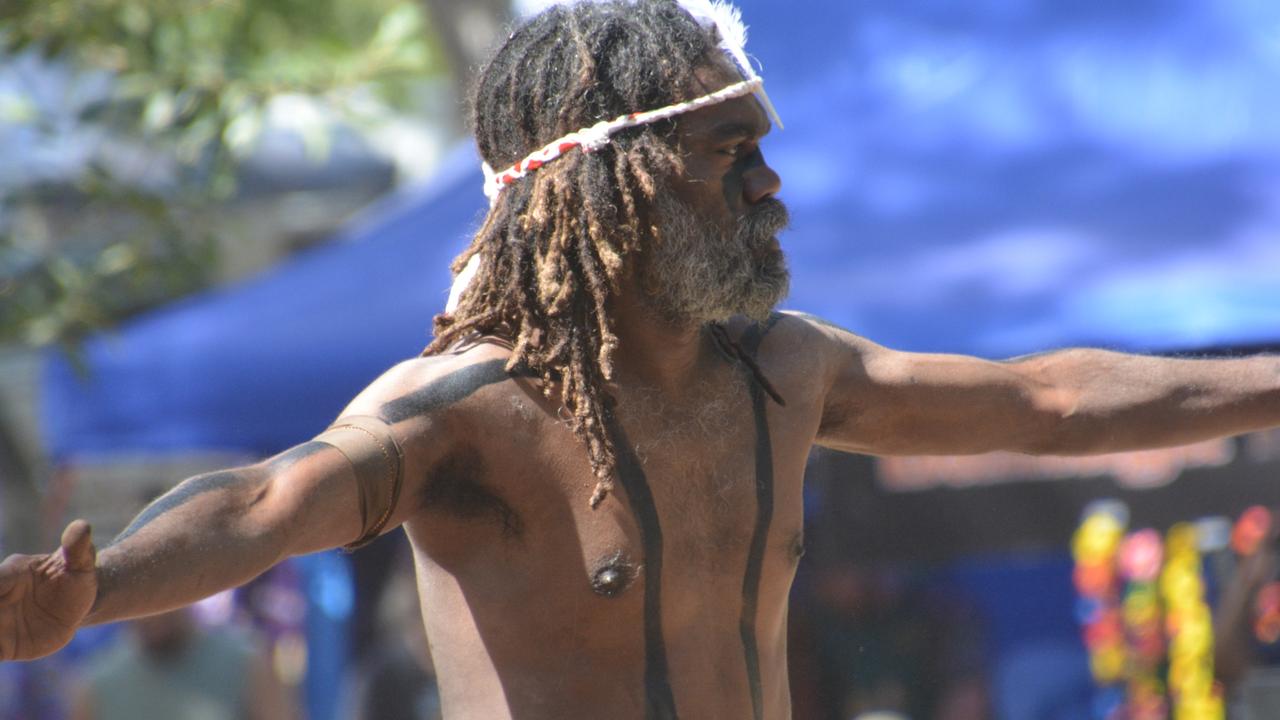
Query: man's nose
{"x":761,"y":182}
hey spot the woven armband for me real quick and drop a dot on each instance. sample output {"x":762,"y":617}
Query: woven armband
{"x":378,"y":462}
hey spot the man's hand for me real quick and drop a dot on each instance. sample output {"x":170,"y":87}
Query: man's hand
{"x":43,"y":598}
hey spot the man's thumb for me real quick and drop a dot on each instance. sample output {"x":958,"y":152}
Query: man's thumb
{"x":77,"y":546}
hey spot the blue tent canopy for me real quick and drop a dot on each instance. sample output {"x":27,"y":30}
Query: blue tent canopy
{"x":990,"y":178}
{"x":258,"y":366}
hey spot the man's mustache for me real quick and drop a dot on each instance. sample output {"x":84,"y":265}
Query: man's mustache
{"x":763,"y":221}
{"x":769,"y":215}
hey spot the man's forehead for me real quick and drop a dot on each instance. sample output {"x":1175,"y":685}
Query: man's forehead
{"x":741,"y":116}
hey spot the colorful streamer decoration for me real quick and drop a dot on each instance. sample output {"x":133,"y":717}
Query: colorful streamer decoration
{"x":1266,"y":614}
{"x":1141,"y":558}
{"x":1251,"y":531}
{"x":1095,"y":548}
{"x":1146,"y":622}
{"x":1189,"y":629}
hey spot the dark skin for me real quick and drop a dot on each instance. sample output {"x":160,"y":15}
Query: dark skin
{"x":670,"y":599}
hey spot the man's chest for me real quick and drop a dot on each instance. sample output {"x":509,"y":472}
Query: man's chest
{"x":677,"y":580}
{"x":716,"y":473}
{"x":708,"y":482}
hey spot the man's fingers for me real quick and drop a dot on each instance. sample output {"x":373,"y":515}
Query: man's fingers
{"x":77,"y":546}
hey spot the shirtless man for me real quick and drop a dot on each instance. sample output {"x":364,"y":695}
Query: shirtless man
{"x":598,"y":461}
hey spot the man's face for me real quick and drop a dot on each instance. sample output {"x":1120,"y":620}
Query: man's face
{"x":717,"y":253}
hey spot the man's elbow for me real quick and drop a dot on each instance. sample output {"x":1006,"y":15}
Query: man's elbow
{"x":1057,"y":426}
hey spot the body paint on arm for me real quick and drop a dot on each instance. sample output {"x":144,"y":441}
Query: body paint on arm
{"x":199,"y":485}
{"x":185,"y":493}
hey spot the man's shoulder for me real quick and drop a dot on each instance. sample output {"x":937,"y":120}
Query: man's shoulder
{"x":421,"y":385}
{"x":801,"y":354}
{"x":784,"y":331}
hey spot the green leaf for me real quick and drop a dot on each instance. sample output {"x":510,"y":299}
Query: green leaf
{"x":243,"y":131}
{"x":190,"y":84}
{"x":158,"y":114}
{"x":401,"y":25}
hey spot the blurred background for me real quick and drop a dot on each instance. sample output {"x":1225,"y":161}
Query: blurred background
{"x":220,"y":219}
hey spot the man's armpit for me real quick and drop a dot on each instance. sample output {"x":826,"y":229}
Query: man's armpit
{"x":836,"y":415}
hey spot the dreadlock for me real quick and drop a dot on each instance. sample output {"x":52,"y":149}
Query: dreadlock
{"x":552,"y":247}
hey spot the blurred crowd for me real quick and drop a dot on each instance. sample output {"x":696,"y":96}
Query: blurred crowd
{"x":240,"y":655}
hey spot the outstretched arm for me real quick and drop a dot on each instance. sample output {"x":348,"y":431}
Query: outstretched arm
{"x":222,"y":529}
{"x":211,"y":532}
{"x":1072,"y":402}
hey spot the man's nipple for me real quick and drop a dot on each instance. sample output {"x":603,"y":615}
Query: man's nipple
{"x":613,"y":575}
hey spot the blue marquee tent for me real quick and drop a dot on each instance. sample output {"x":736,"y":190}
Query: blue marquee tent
{"x":256,"y":367}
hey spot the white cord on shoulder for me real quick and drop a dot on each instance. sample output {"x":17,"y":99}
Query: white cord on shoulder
{"x":461,"y":282}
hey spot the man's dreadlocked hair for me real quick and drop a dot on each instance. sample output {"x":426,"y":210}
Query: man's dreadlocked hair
{"x":551,"y":249}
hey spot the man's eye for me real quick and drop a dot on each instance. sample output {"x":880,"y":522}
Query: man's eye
{"x":733,"y":151}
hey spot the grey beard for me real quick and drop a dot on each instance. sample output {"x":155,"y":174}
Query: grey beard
{"x":696,"y":272}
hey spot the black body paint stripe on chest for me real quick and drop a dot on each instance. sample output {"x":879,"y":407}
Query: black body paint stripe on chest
{"x":451,"y":388}
{"x":660,"y":702}
{"x":764,"y":517}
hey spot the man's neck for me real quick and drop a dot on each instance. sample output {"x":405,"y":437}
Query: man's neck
{"x":656,"y":352}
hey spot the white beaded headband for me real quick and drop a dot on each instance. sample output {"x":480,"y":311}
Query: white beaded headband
{"x":727,"y":21}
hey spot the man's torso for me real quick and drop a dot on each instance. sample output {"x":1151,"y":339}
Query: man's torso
{"x":670,"y":598}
